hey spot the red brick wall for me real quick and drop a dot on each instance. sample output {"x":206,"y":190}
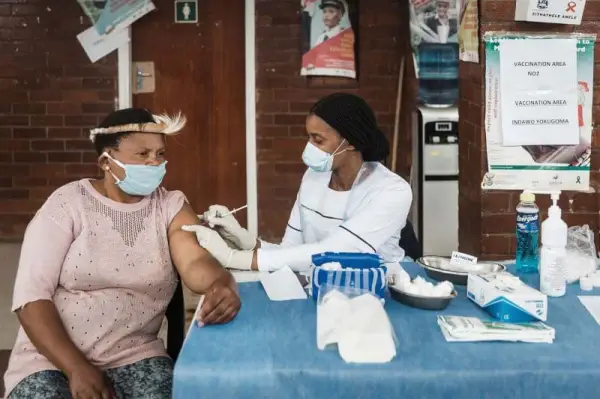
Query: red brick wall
{"x":50,"y":96}
{"x":487,"y":219}
{"x":284,"y":96}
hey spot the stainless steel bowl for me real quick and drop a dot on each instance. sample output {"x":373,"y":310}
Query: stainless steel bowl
{"x":421,"y":302}
{"x":439,"y":268}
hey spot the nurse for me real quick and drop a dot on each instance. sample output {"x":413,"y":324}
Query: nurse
{"x":347,"y":201}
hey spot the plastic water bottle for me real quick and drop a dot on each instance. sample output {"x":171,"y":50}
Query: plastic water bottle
{"x":528,"y":230}
{"x":553,"y":273}
{"x":438,"y":74}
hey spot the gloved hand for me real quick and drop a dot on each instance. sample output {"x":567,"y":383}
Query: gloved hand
{"x":229,"y":228}
{"x":218,"y":248}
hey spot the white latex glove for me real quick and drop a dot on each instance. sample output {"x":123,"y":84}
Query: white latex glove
{"x":229,"y":228}
{"x":218,"y":248}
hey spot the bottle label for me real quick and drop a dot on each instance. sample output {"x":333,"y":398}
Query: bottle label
{"x":528,"y":222}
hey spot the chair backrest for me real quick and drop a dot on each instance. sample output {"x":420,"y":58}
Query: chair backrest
{"x":176,"y":322}
{"x":4,"y":355}
{"x":409,"y":242}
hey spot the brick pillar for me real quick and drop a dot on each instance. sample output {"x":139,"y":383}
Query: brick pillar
{"x":487,"y":219}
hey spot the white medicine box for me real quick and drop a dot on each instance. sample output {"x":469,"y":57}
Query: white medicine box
{"x":506,"y":298}
{"x":567,"y":12}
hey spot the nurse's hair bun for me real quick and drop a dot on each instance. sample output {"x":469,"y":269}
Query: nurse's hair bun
{"x":355,"y":121}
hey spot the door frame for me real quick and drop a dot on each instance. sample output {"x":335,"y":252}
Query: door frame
{"x":125,"y":100}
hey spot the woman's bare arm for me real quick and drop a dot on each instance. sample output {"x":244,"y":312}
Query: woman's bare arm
{"x":43,"y":326}
{"x":196,"y":266}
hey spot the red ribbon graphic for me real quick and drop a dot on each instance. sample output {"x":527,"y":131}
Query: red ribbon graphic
{"x":571,"y":6}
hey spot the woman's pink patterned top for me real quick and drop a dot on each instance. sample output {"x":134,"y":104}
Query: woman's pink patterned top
{"x":107,"y":268}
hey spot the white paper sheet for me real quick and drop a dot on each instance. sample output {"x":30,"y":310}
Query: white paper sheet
{"x":97,"y":46}
{"x":538,"y":81}
{"x":195,"y":317}
{"x":282,"y":285}
{"x":592,"y":304}
{"x":243,"y":276}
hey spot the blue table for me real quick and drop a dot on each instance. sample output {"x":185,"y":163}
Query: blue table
{"x":270,"y":351}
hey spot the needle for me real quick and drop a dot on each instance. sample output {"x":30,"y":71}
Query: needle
{"x":227,"y":214}
{"x":234,"y":211}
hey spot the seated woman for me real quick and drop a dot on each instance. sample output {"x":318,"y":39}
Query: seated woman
{"x":347,"y":202}
{"x":96,"y":274}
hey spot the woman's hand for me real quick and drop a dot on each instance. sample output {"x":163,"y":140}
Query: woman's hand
{"x":89,"y":382}
{"x":218,"y":248}
{"x":229,"y":228}
{"x":221,"y":301}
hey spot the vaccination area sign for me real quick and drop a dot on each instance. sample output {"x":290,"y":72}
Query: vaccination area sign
{"x":538,"y":116}
{"x":328,"y":36}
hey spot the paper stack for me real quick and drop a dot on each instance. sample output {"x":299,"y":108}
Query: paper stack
{"x":472,"y":329}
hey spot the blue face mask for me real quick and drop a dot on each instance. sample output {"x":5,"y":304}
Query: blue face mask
{"x":140,"y":180}
{"x":317,"y":159}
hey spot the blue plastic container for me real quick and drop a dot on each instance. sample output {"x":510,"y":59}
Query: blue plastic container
{"x":360,"y":272}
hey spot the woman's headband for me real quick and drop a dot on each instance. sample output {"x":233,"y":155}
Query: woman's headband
{"x":163,"y":123}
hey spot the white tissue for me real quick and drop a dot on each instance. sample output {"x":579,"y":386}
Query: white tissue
{"x":332,"y":310}
{"x":331,"y":266}
{"x":366,"y":336}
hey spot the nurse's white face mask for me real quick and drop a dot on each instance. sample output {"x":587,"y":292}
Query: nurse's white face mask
{"x":319,"y":160}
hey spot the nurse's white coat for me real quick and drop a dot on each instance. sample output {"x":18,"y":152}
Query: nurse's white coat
{"x":375,"y":214}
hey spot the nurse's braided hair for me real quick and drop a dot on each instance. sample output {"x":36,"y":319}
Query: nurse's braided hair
{"x":355,"y":121}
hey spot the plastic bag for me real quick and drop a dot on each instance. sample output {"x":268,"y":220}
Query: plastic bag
{"x":357,"y":322}
{"x":582,"y":257}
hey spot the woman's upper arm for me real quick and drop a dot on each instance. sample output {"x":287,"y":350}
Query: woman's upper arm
{"x":45,"y":245}
{"x":195,"y":265}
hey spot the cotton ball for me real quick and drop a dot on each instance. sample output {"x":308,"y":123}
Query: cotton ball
{"x":402,"y":275}
{"x":331,"y":266}
{"x":443,"y":289}
{"x":403,"y":285}
{"x":426,"y":289}
{"x":401,"y":279}
{"x":419,"y":281}
{"x":411,"y":289}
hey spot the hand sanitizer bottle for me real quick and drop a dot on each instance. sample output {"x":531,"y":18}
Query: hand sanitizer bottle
{"x":553,"y":281}
{"x":528,"y":226}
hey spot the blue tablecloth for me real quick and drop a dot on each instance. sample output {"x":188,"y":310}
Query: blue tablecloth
{"x":270,"y":351}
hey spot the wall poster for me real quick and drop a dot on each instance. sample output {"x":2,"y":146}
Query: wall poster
{"x":538,"y":167}
{"x":434,"y":38}
{"x":328,"y":32}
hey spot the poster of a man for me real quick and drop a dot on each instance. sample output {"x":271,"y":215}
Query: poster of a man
{"x":434,"y":21}
{"x":441,"y":23}
{"x":328,"y":38}
{"x":333,"y":12}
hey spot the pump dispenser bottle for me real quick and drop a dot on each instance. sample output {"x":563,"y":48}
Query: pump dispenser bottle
{"x":553,"y":255}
